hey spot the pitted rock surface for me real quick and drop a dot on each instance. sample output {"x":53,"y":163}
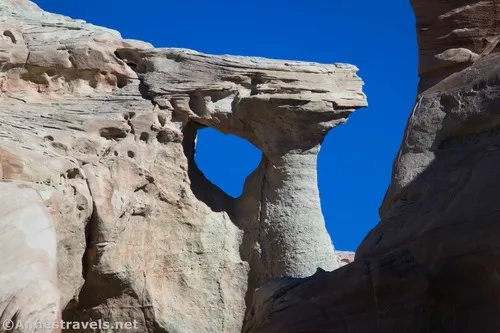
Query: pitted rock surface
{"x":105,"y":129}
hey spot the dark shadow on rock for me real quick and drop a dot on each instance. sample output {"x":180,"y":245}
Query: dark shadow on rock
{"x":432,"y":264}
{"x":204,"y":190}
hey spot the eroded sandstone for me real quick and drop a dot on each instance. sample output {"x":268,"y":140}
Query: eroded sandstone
{"x":28,"y":276}
{"x":430,"y":265}
{"x":106,"y":127}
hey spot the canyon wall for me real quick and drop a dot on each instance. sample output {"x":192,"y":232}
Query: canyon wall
{"x":430,"y":265}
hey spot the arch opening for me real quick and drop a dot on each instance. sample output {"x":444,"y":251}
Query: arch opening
{"x":226,"y":160}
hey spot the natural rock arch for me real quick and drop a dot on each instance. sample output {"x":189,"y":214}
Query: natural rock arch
{"x":259,"y":101}
{"x":106,"y":128}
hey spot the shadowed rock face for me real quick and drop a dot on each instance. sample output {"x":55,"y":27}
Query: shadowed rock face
{"x":454,"y":34}
{"x":431,"y":264}
{"x":105,"y":129}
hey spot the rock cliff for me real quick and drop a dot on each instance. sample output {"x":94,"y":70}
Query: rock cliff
{"x":104,"y":130}
{"x":28,"y":274}
{"x":430,"y":265}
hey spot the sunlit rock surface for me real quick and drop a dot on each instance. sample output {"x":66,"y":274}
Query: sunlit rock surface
{"x":28,"y":265}
{"x":104,"y":129}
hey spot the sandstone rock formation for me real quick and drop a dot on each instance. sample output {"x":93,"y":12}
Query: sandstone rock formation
{"x":345,"y":257}
{"x":28,"y":274}
{"x":430,"y":265}
{"x":104,"y":128}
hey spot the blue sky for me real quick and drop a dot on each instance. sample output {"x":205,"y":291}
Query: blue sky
{"x":377,"y":36}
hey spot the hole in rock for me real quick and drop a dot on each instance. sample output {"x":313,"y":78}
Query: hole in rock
{"x":144,"y":137}
{"x":257,"y":80}
{"x":121,"y":81}
{"x":226,"y":160}
{"x":10,"y":35}
{"x":73,"y":173}
{"x":51,"y":72}
{"x":113,"y":133}
{"x":163,"y":137}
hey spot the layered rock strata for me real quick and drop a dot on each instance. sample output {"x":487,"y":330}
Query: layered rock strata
{"x":430,"y":265}
{"x":105,"y":128}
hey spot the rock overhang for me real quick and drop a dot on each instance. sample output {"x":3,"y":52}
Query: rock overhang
{"x":219,"y":91}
